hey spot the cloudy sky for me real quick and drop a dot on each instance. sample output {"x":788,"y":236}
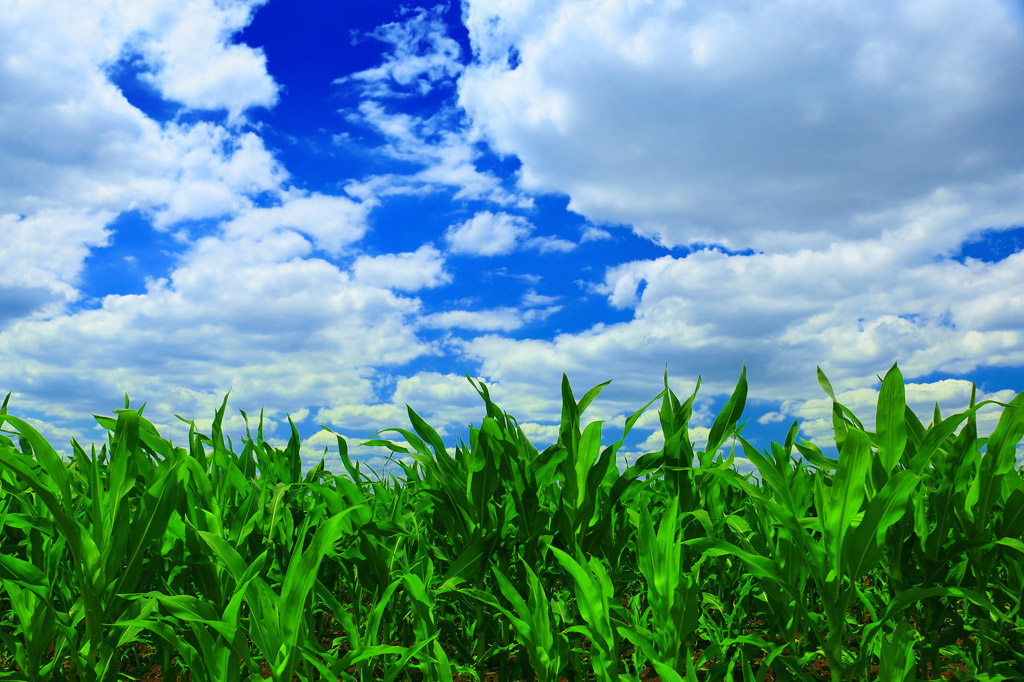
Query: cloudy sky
{"x":335,"y":209}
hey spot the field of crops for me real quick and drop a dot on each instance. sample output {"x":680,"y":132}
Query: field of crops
{"x":900,"y":560}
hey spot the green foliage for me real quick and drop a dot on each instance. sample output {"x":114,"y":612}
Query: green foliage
{"x":900,"y":559}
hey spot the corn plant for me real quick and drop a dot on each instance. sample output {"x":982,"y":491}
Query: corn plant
{"x":896,"y":556}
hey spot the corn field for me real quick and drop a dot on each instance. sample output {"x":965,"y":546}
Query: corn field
{"x":900,"y":560}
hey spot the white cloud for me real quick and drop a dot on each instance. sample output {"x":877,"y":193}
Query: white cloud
{"x":250,"y":308}
{"x":193,"y":60}
{"x":421,"y":55}
{"x":74,"y":153}
{"x":540,"y":314}
{"x":76,"y":144}
{"x":532,"y":298}
{"x":594,"y":234}
{"x":540,"y":435}
{"x":488,"y":234}
{"x":445,"y":151}
{"x":856,"y":146}
{"x":251,"y":313}
{"x":853,"y":309}
{"x":407,"y":271}
{"x":770,"y":125}
{"x":491,"y":320}
{"x":209,"y":173}
{"x":43,"y":256}
{"x":548,"y":244}
{"x":71,"y":133}
{"x":496,"y":319}
{"x":333,"y":222}
{"x":854,"y":306}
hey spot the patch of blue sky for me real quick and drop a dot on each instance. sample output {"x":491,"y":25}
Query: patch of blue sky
{"x":135,"y":252}
{"x":128,"y":75}
{"x":992,"y":246}
{"x":989,"y":379}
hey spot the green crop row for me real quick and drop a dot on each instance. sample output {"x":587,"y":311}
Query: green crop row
{"x":900,"y":560}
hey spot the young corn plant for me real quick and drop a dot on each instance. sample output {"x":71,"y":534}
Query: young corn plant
{"x":108,"y":541}
{"x":895,"y":560}
{"x":535,"y":628}
{"x":673,"y":591}
{"x":602,"y":616}
{"x":850,"y":523}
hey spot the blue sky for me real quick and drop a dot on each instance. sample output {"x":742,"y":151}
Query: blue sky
{"x":338,"y":209}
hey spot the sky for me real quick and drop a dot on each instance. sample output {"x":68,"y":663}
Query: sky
{"x":335,"y":210}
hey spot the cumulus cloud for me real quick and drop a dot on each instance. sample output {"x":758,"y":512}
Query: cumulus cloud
{"x":74,"y":153}
{"x":852,"y":306}
{"x":504,"y":319}
{"x":541,"y":314}
{"x":210,"y":173}
{"x":72,"y":137}
{"x":333,"y":222}
{"x":549,"y":244}
{"x":594,"y":234}
{"x":407,"y":271}
{"x":849,"y":309}
{"x":532,"y":298}
{"x":488,"y":234}
{"x":254,"y":313}
{"x":773,"y":125}
{"x":251,"y":307}
{"x":43,"y":256}
{"x":193,"y":60}
{"x":850,"y":151}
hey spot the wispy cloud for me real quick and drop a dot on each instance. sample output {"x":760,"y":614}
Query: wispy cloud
{"x":421,"y":56}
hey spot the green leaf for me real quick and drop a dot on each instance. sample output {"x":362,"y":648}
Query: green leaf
{"x":730,"y":414}
{"x":427,"y":432}
{"x":890,"y":419}
{"x":469,"y":566}
{"x":862,"y":548}
{"x":589,"y":396}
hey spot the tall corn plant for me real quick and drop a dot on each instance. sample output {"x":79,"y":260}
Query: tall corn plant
{"x":673,"y":591}
{"x":566,"y":492}
{"x":869,"y":493}
{"x":910,"y":541}
{"x":603,"y":619}
{"x":466,"y":520}
{"x":964,"y":540}
{"x":536,"y":629}
{"x":108,"y":548}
